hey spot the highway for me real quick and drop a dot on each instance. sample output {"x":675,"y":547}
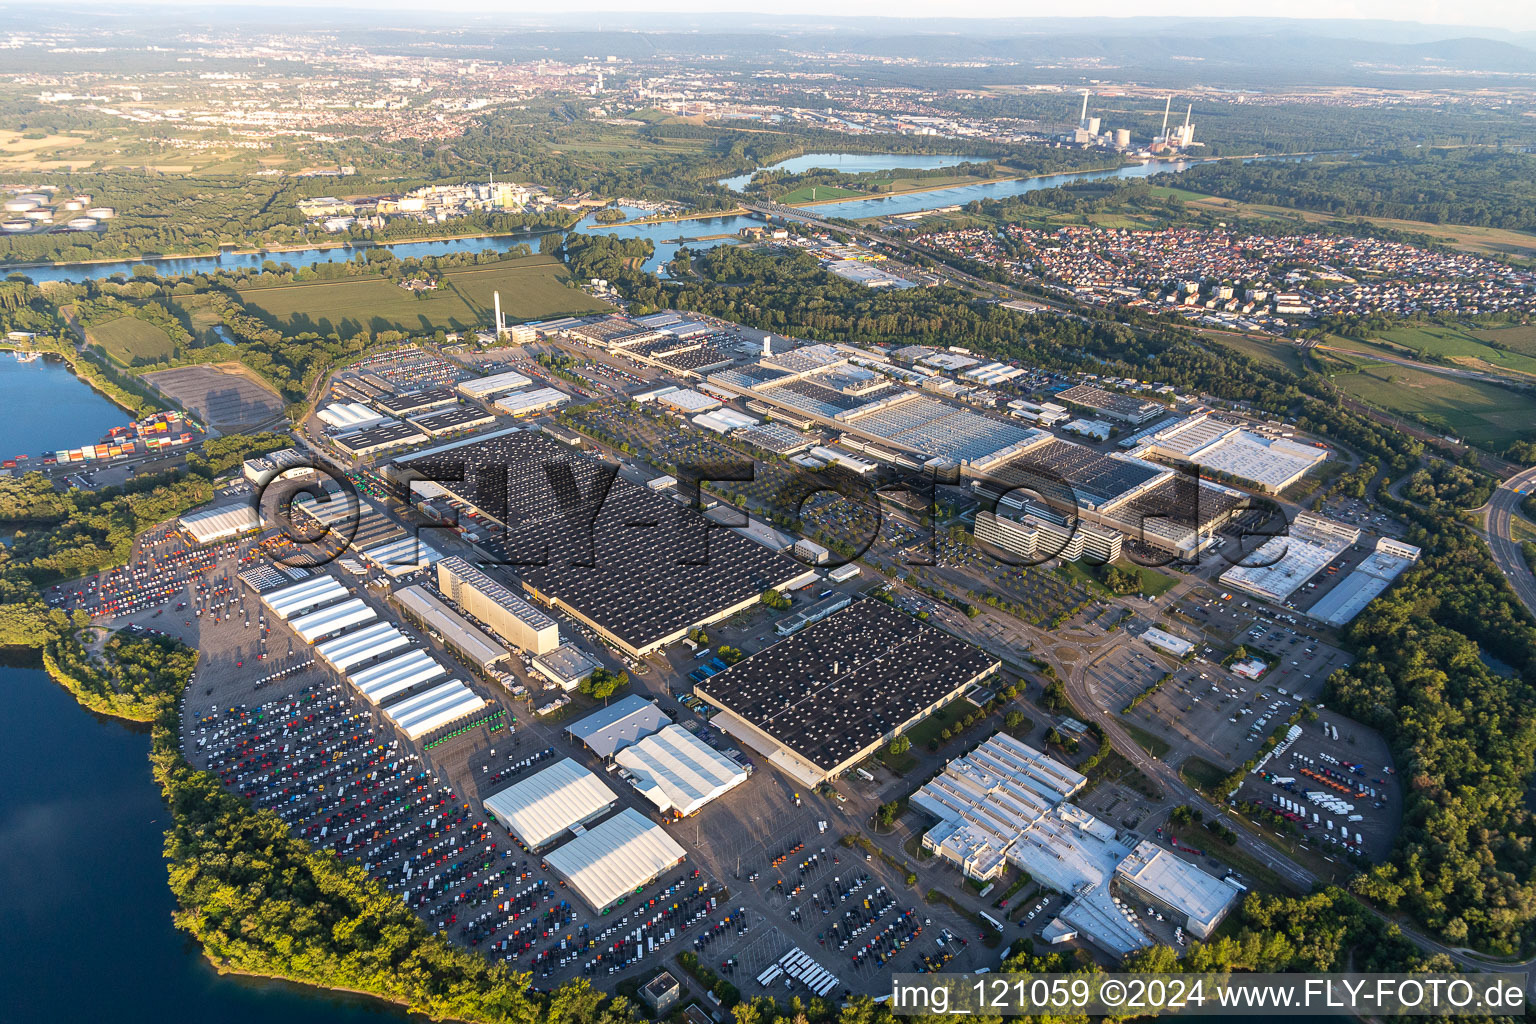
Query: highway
{"x":1497,"y":526}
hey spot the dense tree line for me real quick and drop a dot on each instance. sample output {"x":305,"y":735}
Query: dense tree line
{"x":1449,"y":486}
{"x":1485,"y":188}
{"x":1462,"y":734}
{"x":57,"y":535}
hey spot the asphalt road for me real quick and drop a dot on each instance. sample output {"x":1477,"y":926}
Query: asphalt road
{"x":1497,"y":515}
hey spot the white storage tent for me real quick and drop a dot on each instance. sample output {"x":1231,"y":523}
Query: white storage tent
{"x":615,"y":858}
{"x":426,"y":722}
{"x":428,"y":708}
{"x":332,"y":619}
{"x":402,"y":556}
{"x":302,"y":597}
{"x":421,"y":700}
{"x":217,"y":524}
{"x":380,"y":682}
{"x":360,"y":645}
{"x":350,"y":416}
{"x":679,"y":772}
{"x":541,"y":807}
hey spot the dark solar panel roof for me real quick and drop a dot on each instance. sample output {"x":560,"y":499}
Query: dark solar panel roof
{"x":373,"y":437}
{"x":1178,"y":501}
{"x":449,"y":419}
{"x":648,"y":567}
{"x":1090,"y":474}
{"x":837,"y":686}
{"x":637,"y":563}
{"x":430,"y":398}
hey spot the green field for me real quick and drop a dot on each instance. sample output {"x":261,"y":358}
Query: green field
{"x":129,"y":341}
{"x":532,"y":288}
{"x":817,"y":194}
{"x":1279,"y":352}
{"x":1482,"y":414}
{"x":1469,"y":347}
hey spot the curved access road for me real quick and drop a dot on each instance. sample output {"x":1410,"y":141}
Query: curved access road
{"x":1498,"y":517}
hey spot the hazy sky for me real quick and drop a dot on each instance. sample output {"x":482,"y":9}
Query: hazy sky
{"x":1516,"y":15}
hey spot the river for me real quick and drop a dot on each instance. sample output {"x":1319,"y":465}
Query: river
{"x":697,"y":233}
{"x":85,"y":919}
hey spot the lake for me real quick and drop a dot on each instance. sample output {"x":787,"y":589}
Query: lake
{"x":48,"y":408}
{"x":959,"y":195}
{"x":853,"y":163}
{"x":85,"y":917}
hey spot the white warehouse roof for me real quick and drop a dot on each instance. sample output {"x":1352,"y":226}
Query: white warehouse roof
{"x":216,"y":524}
{"x":333,"y":619}
{"x":361,"y":645}
{"x":541,"y":807}
{"x":679,"y":772}
{"x":301,"y":597}
{"x":495,"y":384}
{"x":615,"y":858}
{"x":403,"y":556}
{"x":380,"y":682}
{"x":426,"y":698}
{"x":618,"y":725}
{"x":1163,"y":876}
{"x":421,"y":726}
{"x":436,"y":714}
{"x":524,"y":402}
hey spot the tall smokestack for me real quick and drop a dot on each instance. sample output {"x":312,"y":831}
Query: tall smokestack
{"x":499,"y":327}
{"x":1187,"y":114}
{"x":1084,"y":115}
{"x":1167,"y":105}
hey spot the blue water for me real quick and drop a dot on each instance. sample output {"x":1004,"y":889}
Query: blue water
{"x":665,"y":236}
{"x":253,"y":261}
{"x":854,"y":163}
{"x":913,"y":202}
{"x":85,"y":911}
{"x":47,"y":408}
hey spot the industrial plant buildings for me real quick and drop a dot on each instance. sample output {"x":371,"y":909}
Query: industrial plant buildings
{"x":636,"y":567}
{"x":820,"y":701}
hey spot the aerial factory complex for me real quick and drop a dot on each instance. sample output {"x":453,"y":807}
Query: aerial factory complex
{"x":695,"y":519}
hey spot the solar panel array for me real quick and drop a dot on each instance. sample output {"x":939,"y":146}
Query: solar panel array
{"x":1097,"y":477}
{"x":648,"y":567}
{"x":838,"y":686}
{"x":644,"y":569}
{"x":939,"y":430}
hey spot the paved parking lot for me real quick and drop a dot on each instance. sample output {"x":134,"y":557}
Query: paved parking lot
{"x":1352,"y":771}
{"x":289,"y":735}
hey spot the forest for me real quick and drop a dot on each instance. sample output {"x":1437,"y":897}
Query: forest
{"x":1480,"y":187}
{"x":1462,"y":734}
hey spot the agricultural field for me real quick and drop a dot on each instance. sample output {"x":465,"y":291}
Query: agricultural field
{"x":1495,"y":349}
{"x":532,"y":288}
{"x":817,"y":194}
{"x":1477,"y":412}
{"x":1272,"y":352}
{"x":129,"y":341}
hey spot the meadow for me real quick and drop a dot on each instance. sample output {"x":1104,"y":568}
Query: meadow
{"x":1480,"y":413}
{"x":532,"y":288}
{"x":129,"y":341}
